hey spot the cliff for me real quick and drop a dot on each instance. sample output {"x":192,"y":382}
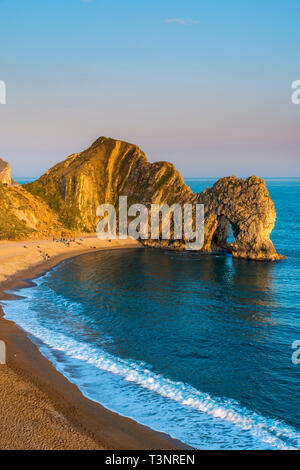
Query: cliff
{"x":75,"y":188}
{"x":24,"y":216}
{"x":246,"y":206}
{"x":109,"y":168}
{"x":5,"y":173}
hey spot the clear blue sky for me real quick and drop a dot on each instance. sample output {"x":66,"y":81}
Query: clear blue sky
{"x":204,"y":84}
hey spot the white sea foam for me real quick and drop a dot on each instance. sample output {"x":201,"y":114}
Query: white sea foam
{"x":268,"y":433}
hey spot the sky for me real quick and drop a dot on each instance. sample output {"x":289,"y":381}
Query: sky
{"x":203,"y":84}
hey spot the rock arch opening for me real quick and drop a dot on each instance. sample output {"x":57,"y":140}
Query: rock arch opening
{"x":224,"y":235}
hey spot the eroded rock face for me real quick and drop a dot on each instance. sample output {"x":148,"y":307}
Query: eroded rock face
{"x":23,"y":215}
{"x":246,"y":206}
{"x":109,"y":168}
{"x":5,"y":173}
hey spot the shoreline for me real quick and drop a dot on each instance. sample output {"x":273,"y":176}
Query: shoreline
{"x":40,"y":408}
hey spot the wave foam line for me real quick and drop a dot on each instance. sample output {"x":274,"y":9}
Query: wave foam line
{"x":267,"y":430}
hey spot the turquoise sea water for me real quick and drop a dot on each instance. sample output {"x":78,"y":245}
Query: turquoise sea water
{"x":24,"y":180}
{"x":197,"y":346}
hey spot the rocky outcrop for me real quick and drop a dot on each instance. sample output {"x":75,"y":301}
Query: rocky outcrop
{"x":24,"y":216}
{"x":74,"y":189}
{"x":5,"y":173}
{"x":109,"y":168}
{"x":246,"y":206}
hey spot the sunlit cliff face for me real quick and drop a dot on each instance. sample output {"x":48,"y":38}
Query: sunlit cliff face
{"x":111,"y":168}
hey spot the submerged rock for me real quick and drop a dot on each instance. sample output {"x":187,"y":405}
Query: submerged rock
{"x":110,"y":168}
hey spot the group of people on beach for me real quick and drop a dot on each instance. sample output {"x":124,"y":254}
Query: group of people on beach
{"x":66,"y":241}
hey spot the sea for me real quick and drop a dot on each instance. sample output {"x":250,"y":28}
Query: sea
{"x":196,"y":346}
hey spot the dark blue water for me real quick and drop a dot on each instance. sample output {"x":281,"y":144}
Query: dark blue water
{"x":196,"y":346}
